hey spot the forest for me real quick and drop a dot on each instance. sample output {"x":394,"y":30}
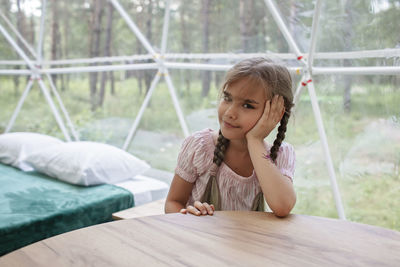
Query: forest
{"x":361,"y":113}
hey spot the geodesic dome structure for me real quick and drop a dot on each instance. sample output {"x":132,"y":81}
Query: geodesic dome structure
{"x":306,"y":62}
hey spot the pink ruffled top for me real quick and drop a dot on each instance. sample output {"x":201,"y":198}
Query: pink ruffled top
{"x":237,"y":192}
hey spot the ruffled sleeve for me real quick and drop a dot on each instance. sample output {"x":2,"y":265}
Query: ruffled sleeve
{"x":195,"y":156}
{"x":286,"y":160}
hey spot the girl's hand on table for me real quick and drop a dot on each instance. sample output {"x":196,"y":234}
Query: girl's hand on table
{"x":199,"y":209}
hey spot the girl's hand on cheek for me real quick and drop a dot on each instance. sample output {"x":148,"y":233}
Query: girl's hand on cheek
{"x":199,"y":209}
{"x":273,"y":112}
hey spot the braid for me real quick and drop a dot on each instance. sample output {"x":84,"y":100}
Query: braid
{"x":220,"y":148}
{"x":212,"y":194}
{"x":279,"y":137}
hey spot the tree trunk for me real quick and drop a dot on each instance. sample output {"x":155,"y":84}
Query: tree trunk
{"x":112,"y":83}
{"x":95,"y":49}
{"x":293,"y":22}
{"x":264,"y":43}
{"x":220,"y":39}
{"x":147,"y":73}
{"x":55,"y":35}
{"x":348,"y":36}
{"x":185,"y":41}
{"x":247,"y":27}
{"x":65,"y":50}
{"x":140,"y":73}
{"x":21,"y":29}
{"x":205,"y":14}
{"x":32,"y":30}
{"x":396,"y":62}
{"x":107,"y":51}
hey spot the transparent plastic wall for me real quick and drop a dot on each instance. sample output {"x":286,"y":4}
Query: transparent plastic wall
{"x":361,"y":113}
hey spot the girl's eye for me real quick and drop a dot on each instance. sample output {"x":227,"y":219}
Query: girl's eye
{"x":248,"y":106}
{"x":226,"y":98}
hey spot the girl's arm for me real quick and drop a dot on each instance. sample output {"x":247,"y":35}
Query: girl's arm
{"x":277,"y":189}
{"x":178,"y":195}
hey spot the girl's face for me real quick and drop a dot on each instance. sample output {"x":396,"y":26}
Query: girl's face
{"x":241,"y":106}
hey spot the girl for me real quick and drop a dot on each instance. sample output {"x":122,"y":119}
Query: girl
{"x":234,"y":169}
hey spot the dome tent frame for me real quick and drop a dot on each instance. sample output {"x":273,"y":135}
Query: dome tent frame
{"x":162,"y":65}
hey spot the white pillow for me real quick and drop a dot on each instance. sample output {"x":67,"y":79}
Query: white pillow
{"x":87,"y":163}
{"x":15,"y":146}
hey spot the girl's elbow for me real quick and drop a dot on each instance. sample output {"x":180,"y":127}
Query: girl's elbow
{"x":282,"y":213}
{"x":284,"y":210}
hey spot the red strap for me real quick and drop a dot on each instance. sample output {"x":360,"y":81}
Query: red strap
{"x":305,"y":83}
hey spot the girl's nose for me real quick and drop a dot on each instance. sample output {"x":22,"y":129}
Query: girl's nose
{"x":231,"y":112}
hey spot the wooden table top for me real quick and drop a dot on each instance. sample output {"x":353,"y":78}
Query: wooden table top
{"x":228,"y":238}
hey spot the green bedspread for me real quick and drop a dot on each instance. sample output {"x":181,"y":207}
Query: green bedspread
{"x":34,"y":207}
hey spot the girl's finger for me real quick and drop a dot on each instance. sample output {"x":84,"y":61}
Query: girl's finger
{"x":276,"y":104}
{"x":198,"y":205}
{"x":282,"y":108}
{"x":277,"y":109}
{"x":212,"y":206}
{"x":267,"y":108}
{"x":208,"y":208}
{"x":193,"y":210}
{"x":183,"y":211}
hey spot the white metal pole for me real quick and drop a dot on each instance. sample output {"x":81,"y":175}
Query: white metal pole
{"x":141,"y":111}
{"x":378,"y":53}
{"x":358,"y":70}
{"x":53,"y":108}
{"x":39,"y":60}
{"x":282,"y":26}
{"x":196,"y":66}
{"x":134,"y":28}
{"x":168,"y":80}
{"x":165,"y":27}
{"x":63,"y":109}
{"x":314,"y":30}
{"x":15,"y":72}
{"x":176,"y":103}
{"x":19,"y":105}
{"x":145,"y":66}
{"x":96,"y":60}
{"x":17,"y":48}
{"x":382,"y":70}
{"x":317,"y":113}
{"x":299,"y":88}
{"x":328,"y":161}
{"x":16,"y":32}
{"x":41,"y":33}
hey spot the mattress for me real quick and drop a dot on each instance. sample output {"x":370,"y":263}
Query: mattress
{"x":34,"y":206}
{"x":145,"y":189}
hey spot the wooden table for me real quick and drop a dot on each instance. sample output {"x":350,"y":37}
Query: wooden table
{"x":148,"y":209}
{"x":225,"y":239}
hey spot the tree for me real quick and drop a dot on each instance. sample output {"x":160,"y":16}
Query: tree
{"x":95,"y":35}
{"x":149,"y":19}
{"x":205,"y":14}
{"x":185,"y":40}
{"x":247,"y":27}
{"x":348,"y":37}
{"x":55,"y":35}
{"x":21,"y":29}
{"x":107,"y":53}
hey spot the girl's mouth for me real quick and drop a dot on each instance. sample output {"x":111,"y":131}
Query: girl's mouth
{"x":228,"y":125}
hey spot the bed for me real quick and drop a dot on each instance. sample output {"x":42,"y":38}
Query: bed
{"x":48,"y":187}
{"x":34,"y":206}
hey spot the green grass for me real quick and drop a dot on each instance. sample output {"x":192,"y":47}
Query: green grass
{"x":364,"y":144}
